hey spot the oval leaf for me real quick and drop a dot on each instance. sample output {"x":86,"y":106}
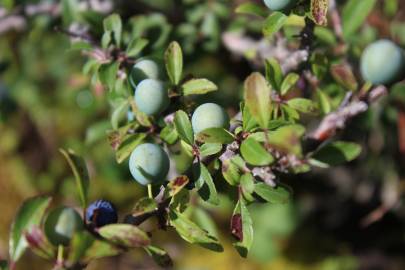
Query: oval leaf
{"x":353,"y":15}
{"x":205,"y":184}
{"x":257,"y":98}
{"x":337,"y":153}
{"x":274,"y":74}
{"x":208,"y":149}
{"x":252,"y":9}
{"x":254,"y":153}
{"x":273,"y":23}
{"x":198,"y":87}
{"x":215,"y":135}
{"x":128,"y":145}
{"x":276,"y":195}
{"x":160,"y":256}
{"x":174,"y":62}
{"x":183,"y":127}
{"x":125,"y":235}
{"x":192,"y":233}
{"x":29,"y":215}
{"x":303,"y":105}
{"x":288,"y":83}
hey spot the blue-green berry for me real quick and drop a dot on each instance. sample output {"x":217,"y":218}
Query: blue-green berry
{"x":101,"y":213}
{"x":61,"y":224}
{"x":209,"y":115}
{"x":149,"y":164}
{"x":144,"y":69}
{"x":382,"y":62}
{"x":279,"y":5}
{"x":151,"y":97}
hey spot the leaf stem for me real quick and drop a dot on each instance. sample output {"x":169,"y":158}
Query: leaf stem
{"x":59,"y":259}
{"x":150,"y":194}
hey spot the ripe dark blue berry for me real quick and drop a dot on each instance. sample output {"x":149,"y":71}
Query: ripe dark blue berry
{"x":101,"y":213}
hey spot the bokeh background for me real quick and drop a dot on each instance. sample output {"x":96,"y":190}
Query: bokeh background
{"x":348,"y":217}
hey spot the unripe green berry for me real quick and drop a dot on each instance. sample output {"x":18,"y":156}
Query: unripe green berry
{"x":144,"y":69}
{"x":209,"y":115}
{"x":151,"y":97}
{"x":279,"y":5}
{"x":149,"y":164}
{"x":382,"y":62}
{"x":61,"y":224}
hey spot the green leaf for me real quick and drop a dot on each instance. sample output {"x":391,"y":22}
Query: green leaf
{"x":336,"y":153}
{"x":124,"y":235}
{"x":319,"y":65}
{"x":183,"y":127}
{"x":78,"y":167}
{"x":273,"y":23}
{"x":289,"y":113}
{"x":343,"y":75}
{"x":113,"y":24}
{"x":230,"y":172}
{"x":325,"y":35}
{"x":257,"y":98}
{"x":85,"y":247}
{"x":353,"y":15}
{"x":106,"y":39}
{"x":70,"y":11}
{"x":128,"y":145}
{"x":254,"y":153}
{"x":215,"y":135}
{"x":324,"y":103}
{"x":274,"y":74}
{"x":205,"y":184}
{"x":198,"y":87}
{"x":252,"y":9}
{"x":160,"y":256}
{"x":242,"y":228}
{"x":174,"y":62}
{"x":169,"y":134}
{"x":80,"y":45}
{"x":30,"y":214}
{"x":287,"y":139}
{"x":247,"y":184}
{"x":136,"y":46}
{"x":277,"y":195}
{"x":319,"y":11}
{"x":248,"y":122}
{"x":192,"y":233}
{"x":209,"y":149}
{"x":107,"y":73}
{"x":303,"y":105}
{"x":288,"y":83}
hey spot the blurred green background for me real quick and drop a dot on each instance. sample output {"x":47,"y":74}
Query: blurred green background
{"x":349,"y":217}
